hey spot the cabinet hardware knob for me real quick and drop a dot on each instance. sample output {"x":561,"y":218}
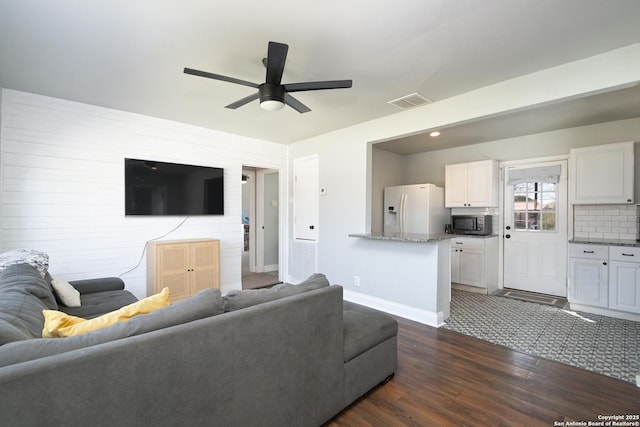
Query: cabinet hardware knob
{"x":508,"y":236}
{"x":311,"y":227}
{"x":604,"y":263}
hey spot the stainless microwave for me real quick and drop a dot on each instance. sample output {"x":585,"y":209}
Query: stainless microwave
{"x":471,"y":224}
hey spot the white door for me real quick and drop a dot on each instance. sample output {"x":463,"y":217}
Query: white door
{"x":393,"y":197}
{"x":416,"y":209}
{"x":267,"y":220}
{"x":535,"y":234}
{"x":306,"y":201}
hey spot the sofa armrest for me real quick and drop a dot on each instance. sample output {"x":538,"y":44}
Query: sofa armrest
{"x":90,"y":286}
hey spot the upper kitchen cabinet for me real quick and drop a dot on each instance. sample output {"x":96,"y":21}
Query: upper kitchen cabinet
{"x":602,"y":174}
{"x":473,"y":184}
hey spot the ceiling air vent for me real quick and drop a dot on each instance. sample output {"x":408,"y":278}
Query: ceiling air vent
{"x":410,"y":101}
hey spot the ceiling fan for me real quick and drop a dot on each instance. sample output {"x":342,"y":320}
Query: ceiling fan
{"x":272,"y":93}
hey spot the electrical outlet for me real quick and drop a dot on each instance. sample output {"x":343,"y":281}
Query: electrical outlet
{"x":356,"y":280}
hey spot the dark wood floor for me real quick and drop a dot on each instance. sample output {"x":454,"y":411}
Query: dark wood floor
{"x":448,"y":379}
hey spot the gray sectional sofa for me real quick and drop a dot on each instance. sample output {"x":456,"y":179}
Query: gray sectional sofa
{"x":293,"y":355}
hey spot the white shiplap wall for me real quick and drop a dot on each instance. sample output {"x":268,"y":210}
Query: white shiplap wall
{"x":62,"y":185}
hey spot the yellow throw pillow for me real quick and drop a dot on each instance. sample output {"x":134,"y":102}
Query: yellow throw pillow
{"x":59,"y":325}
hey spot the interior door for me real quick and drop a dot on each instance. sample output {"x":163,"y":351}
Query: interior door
{"x":535,"y":221}
{"x":267,"y":216}
{"x":306,"y":203}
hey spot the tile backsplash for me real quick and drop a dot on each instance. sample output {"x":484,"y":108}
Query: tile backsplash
{"x":605,"y":221}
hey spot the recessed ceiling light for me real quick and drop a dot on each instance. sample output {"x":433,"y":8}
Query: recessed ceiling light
{"x":435,"y":133}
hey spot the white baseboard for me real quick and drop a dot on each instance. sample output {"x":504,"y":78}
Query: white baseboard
{"x":605,"y":312}
{"x":268,"y":268}
{"x":412,"y":313}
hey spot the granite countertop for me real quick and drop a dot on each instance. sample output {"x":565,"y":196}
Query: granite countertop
{"x":405,"y":237}
{"x":608,"y":242}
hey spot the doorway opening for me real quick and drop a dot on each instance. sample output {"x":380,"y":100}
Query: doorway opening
{"x":261,"y":228}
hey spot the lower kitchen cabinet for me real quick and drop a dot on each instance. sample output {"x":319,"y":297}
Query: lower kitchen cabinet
{"x":589,"y":281}
{"x":606,"y":277}
{"x":624,"y":279}
{"x":474,"y":262}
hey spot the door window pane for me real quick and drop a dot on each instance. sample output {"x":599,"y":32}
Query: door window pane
{"x":534,"y":206}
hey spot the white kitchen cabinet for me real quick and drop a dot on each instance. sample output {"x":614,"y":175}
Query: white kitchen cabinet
{"x":474,"y":262}
{"x":472,"y":184}
{"x":589,"y":275}
{"x":624,"y":279}
{"x":602,"y":174}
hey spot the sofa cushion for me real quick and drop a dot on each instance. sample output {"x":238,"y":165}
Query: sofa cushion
{"x":65,"y":293}
{"x":23,"y":295}
{"x":364,"y":328}
{"x":236,"y":300}
{"x":206,"y":303}
{"x":58,"y":324}
{"x":99,"y":303}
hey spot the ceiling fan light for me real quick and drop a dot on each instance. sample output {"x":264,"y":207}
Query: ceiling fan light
{"x":271,"y":105}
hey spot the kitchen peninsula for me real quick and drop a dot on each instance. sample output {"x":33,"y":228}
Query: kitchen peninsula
{"x":411,"y":273}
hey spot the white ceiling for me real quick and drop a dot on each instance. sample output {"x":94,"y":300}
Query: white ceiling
{"x":582,"y":111}
{"x":129,"y":54}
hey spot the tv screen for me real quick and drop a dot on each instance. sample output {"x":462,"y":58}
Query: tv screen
{"x":159,"y":188}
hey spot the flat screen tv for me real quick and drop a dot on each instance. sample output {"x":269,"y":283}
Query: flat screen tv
{"x":159,"y":188}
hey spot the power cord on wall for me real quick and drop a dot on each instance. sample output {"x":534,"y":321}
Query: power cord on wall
{"x":144,"y":249}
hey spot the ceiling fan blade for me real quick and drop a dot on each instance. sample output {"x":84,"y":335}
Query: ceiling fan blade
{"x":295,"y":104}
{"x":243,"y":101}
{"x":276,"y":57}
{"x":219,"y":77}
{"x":329,"y":84}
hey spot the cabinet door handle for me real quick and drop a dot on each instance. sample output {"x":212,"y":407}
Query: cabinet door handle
{"x":627,"y":254}
{"x":588,"y":252}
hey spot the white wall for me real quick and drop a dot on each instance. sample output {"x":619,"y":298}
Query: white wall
{"x":345,"y":155}
{"x":429,"y":167}
{"x":62,"y":186}
{"x":388,"y":169}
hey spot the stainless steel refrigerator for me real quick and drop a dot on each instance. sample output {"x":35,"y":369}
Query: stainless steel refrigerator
{"x":417,"y":208}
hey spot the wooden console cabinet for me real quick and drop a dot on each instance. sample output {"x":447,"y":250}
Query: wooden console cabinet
{"x":184,"y":266}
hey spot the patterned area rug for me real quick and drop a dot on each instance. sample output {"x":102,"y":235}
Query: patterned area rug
{"x":531,"y":297}
{"x":596,"y":343}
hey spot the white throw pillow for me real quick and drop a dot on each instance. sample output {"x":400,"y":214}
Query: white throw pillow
{"x":66,"y":293}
